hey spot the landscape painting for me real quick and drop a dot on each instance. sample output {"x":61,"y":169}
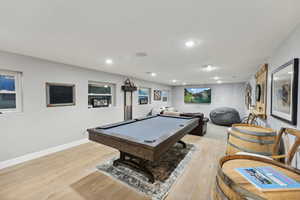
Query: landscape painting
{"x":197,"y":95}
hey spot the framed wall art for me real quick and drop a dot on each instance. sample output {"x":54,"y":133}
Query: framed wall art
{"x":197,"y":95}
{"x":248,"y":96}
{"x":284,"y":92}
{"x":157,"y":95}
{"x":261,"y":77}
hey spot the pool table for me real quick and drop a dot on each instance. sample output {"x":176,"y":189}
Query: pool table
{"x":143,"y":139}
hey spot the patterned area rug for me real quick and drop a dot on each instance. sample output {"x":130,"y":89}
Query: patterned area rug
{"x":166,"y":170}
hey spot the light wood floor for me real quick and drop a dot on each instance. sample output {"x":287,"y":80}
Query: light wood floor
{"x":71,"y":175}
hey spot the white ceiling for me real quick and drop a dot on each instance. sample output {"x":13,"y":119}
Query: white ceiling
{"x":236,"y":35}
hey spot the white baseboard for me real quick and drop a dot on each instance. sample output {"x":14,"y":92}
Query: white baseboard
{"x":31,"y":156}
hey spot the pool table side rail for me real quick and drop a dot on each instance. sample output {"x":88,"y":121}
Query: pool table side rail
{"x":108,"y":126}
{"x":121,"y":144}
{"x":105,"y":131}
{"x":143,"y":150}
{"x":167,"y":143}
{"x":138,"y":119}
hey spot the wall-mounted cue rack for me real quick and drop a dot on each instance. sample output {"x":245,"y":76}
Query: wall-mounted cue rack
{"x":128,"y":89}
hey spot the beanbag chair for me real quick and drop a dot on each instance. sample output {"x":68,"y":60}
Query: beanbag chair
{"x":225,"y":116}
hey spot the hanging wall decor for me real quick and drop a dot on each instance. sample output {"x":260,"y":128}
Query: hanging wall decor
{"x":260,"y":109}
{"x":285,"y":92}
{"x":248,"y":96}
{"x":157,"y":95}
{"x":128,"y":89}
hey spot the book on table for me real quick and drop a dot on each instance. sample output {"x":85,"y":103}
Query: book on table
{"x":267,"y":178}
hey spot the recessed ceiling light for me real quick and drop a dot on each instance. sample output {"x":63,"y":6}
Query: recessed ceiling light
{"x":184,"y":83}
{"x":209,"y":68}
{"x":216,"y":78}
{"x":219,"y":81}
{"x":106,"y":86}
{"x":190,"y":43}
{"x":109,"y":61}
{"x":174,"y":81}
{"x":151,"y":73}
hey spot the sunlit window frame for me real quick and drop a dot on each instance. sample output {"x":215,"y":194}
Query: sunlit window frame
{"x":18,"y":91}
{"x":112,"y":94}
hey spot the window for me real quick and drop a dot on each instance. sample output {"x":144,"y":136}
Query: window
{"x":165,"y":96}
{"x":101,"y":94}
{"x":60,"y":94}
{"x":144,"y":96}
{"x":10,"y":91}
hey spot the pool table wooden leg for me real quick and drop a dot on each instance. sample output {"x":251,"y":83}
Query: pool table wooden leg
{"x":139,"y":165}
{"x":183,"y":143}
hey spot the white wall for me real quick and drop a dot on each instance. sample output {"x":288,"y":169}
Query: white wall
{"x":229,"y":95}
{"x":287,"y":51}
{"x":38,"y":127}
{"x":290,"y":49}
{"x":142,"y":110}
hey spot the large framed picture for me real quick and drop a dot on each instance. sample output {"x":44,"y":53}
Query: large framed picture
{"x":197,"y":95}
{"x":284,"y":92}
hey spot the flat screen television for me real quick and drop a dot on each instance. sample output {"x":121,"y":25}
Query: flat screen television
{"x":197,"y":95}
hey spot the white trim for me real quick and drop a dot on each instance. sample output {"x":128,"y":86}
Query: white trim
{"x":18,"y":90}
{"x":7,"y":92}
{"x":38,"y":154}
